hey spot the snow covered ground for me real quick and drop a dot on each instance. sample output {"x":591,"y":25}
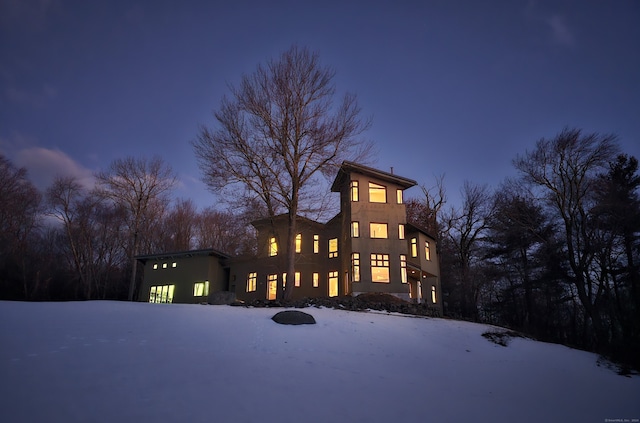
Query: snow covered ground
{"x":134,"y":362}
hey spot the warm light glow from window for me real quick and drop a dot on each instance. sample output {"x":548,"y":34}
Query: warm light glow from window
{"x":272,"y":287}
{"x":174,"y":264}
{"x":427,"y":252}
{"x":333,"y":284}
{"x":161,"y":294}
{"x":201,"y":289}
{"x":355,"y":266}
{"x":333,"y":248}
{"x":399,"y":196}
{"x":273,"y":247}
{"x":316,"y":280}
{"x":377,"y":193}
{"x":380,"y":267}
{"x":403,"y":268}
{"x":401,"y":231}
{"x":355,"y":229}
{"x":155,"y":266}
{"x":414,"y":247}
{"x":252,"y":280}
{"x":298,"y":243}
{"x":164,"y":265}
{"x":433,"y":294}
{"x":354,"y":191}
{"x":316,"y":244}
{"x":297,"y":279}
{"x":378,"y":230}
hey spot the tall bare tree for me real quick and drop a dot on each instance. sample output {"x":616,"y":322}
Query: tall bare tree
{"x":141,"y":187}
{"x":277,"y":133}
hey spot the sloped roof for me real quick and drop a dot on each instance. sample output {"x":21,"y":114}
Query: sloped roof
{"x":182,"y":254}
{"x":282,"y":218}
{"x":350,"y":167}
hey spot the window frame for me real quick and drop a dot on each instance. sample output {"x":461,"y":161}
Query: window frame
{"x":252,"y":282}
{"x":333,"y":252}
{"x":355,"y":267}
{"x":372,"y":232}
{"x":273,"y":246}
{"x":375,"y":190}
{"x":380,"y":263}
{"x":355,"y":229}
{"x":354,"y":191}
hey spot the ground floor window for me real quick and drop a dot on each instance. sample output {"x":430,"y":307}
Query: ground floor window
{"x":201,"y":289}
{"x":433,"y":294}
{"x":333,"y":284}
{"x":355,"y":266}
{"x":380,"y":267}
{"x":403,"y":268}
{"x":272,"y":287}
{"x":161,"y":294}
{"x":316,"y":280}
{"x":252,"y":279}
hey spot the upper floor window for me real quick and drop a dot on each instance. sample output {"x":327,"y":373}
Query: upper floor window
{"x":252,"y":279}
{"x":155,"y":266}
{"x":414,"y":247}
{"x":164,"y":265}
{"x":273,"y":247}
{"x":333,"y":248}
{"x":378,"y":230}
{"x":298,"y":243}
{"x":174,"y":264}
{"x":380,"y":267}
{"x":377,"y":193}
{"x":403,"y":268}
{"x":316,"y":244}
{"x":399,"y":196}
{"x":354,"y":191}
{"x":355,"y":229}
{"x":401,"y":231}
{"x":427,"y":252}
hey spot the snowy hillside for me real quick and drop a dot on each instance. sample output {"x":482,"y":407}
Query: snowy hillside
{"x":136,"y":362}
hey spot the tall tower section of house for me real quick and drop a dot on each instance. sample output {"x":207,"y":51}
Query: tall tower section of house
{"x":373,"y":223}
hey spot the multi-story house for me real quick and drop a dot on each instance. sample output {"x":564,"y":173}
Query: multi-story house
{"x":367,"y":247}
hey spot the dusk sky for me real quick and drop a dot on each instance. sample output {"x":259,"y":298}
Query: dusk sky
{"x":453,"y":87}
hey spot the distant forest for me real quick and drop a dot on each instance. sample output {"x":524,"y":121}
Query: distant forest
{"x":553,"y":253}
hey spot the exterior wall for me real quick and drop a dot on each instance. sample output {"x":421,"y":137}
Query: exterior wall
{"x":430,"y":275}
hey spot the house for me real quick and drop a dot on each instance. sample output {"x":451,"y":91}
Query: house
{"x":367,"y":247}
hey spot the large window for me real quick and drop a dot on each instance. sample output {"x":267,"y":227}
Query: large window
{"x":161,"y":294}
{"x":273,"y":247}
{"x":427,"y":251}
{"x":403,"y":268}
{"x":333,"y":284}
{"x":298,"y":243}
{"x":377,"y":193}
{"x":401,"y":231}
{"x":333,"y":247}
{"x":378,"y":230}
{"x":355,"y":266}
{"x":252,"y":279}
{"x":201,"y":289}
{"x":380,"y":267}
{"x":399,"y":196}
{"x":414,"y":247}
{"x":316,"y":244}
{"x":355,"y":229}
{"x":354,"y":191}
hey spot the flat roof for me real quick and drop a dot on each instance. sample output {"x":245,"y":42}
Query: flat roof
{"x":182,"y":254}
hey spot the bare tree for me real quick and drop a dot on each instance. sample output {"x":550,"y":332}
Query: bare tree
{"x":140,"y":187}
{"x":277,"y":133}
{"x":425,"y":212}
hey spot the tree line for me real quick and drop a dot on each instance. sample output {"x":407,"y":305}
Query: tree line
{"x":553,"y":252}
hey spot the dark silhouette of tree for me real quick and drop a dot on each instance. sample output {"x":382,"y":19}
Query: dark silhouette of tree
{"x":277,"y":133}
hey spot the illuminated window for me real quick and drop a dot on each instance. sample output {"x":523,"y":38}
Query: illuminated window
{"x":316,"y":244}
{"x":354,"y":191}
{"x":380,"y":267}
{"x":161,"y":294}
{"x":355,"y":266}
{"x":355,"y":229}
{"x":399,"y":196}
{"x":333,"y":284}
{"x":433,"y":294}
{"x":273,"y":247}
{"x":378,"y":230}
{"x":252,"y":280}
{"x":414,"y":247}
{"x":164,"y":265}
{"x":298,"y":243}
{"x":284,"y":280}
{"x":316,"y":280}
{"x":377,"y":193}
{"x":155,"y":266}
{"x":403,"y":268}
{"x":427,"y":252}
{"x":401,"y":231}
{"x":174,"y":264}
{"x":296,"y":281}
{"x":333,"y":248}
{"x":201,"y":289}
{"x":272,"y":287}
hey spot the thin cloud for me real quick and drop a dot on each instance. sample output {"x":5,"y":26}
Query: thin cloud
{"x":43,"y":165}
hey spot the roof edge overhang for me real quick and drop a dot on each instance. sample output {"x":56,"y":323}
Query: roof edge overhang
{"x":349,"y":167}
{"x":182,"y":254}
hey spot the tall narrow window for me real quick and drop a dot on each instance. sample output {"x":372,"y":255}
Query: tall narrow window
{"x":316,"y":280}
{"x":403,"y":268}
{"x":355,"y":229}
{"x":380,"y":267}
{"x":273,"y":247}
{"x":414,"y":247}
{"x":297,"y":279}
{"x":427,"y":252}
{"x":354,"y":191}
{"x":401,"y":231}
{"x":355,"y":266}
{"x":272,"y":287}
{"x":333,"y":248}
{"x":378,"y":230}
{"x":433,"y":294}
{"x":333,"y":284}
{"x":298,"y":243}
{"x":316,"y":244}
{"x":399,"y":196}
{"x":252,"y":279}
{"x":377,"y":193}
